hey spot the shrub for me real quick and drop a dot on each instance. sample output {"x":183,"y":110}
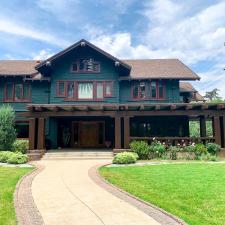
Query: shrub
{"x":213,"y":148}
{"x":125,"y":158}
{"x":189,"y":148}
{"x":208,"y":157}
{"x":21,"y":146}
{"x":157,"y":147}
{"x":7,"y":129}
{"x":17,"y":158}
{"x":141,"y":148}
{"x":200,"y":149}
{"x":5,"y":155}
{"x":173,"y":152}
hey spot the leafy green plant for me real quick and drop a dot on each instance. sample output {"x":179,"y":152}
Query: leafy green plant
{"x":213,"y":148}
{"x":157,"y":147}
{"x":5,"y":155}
{"x":173,"y":152}
{"x":125,"y":158}
{"x":200,"y":149}
{"x":208,"y":157}
{"x":189,"y":148}
{"x":7,"y":129}
{"x":20,"y":146}
{"x":17,"y":158}
{"x":141,"y":148}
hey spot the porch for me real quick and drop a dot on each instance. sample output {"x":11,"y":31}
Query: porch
{"x":122,"y":121}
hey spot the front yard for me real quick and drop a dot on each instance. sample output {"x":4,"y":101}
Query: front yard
{"x":8,"y":180}
{"x":194,"y":192}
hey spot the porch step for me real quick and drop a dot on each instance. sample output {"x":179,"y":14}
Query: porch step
{"x":57,"y":155}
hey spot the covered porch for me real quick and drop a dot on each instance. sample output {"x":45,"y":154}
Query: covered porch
{"x":122,"y":119}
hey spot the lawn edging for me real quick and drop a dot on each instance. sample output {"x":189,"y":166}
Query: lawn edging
{"x":25,"y":208}
{"x":160,"y":215}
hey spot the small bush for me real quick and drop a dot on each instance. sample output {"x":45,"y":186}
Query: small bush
{"x":212,"y":148}
{"x":157,"y":147}
{"x":20,"y":146}
{"x":5,"y":155}
{"x":7,"y":129}
{"x":208,"y":157}
{"x":173,"y":152}
{"x":141,"y":148}
{"x":17,"y":158}
{"x":189,"y":148}
{"x":125,"y":158}
{"x":200,"y":149}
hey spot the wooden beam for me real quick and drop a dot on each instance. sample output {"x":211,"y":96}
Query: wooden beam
{"x":157,"y":107}
{"x":217,"y":129}
{"x":41,"y":134}
{"x":173,"y":107}
{"x":223,"y":130}
{"x":117,"y":132}
{"x":202,"y":121}
{"x":126,"y":132}
{"x":32,"y":134}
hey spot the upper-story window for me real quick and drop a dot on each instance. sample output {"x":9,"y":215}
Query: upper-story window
{"x":157,"y":90}
{"x":139,"y":90}
{"x":86,"y":66}
{"x":17,"y":92}
{"x":84,"y":90}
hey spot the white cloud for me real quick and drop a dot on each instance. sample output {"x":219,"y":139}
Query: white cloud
{"x":11,"y":27}
{"x":43,"y":54}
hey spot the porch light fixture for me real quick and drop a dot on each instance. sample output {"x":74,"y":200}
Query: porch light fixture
{"x":117,"y":63}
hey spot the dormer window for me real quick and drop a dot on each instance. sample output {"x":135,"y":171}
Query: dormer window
{"x":86,"y":66}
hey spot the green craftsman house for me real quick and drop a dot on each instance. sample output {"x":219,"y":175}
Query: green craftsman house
{"x":83,"y":97}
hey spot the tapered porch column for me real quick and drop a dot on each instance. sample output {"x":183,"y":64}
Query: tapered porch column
{"x":126,"y":132}
{"x":32,"y":134}
{"x":202,"y":126}
{"x":117,"y":132}
{"x":217,"y":129}
{"x":41,"y":134}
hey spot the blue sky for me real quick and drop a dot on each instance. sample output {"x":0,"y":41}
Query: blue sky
{"x":192,"y":30}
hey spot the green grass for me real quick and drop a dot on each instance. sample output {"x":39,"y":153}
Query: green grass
{"x":194,"y":192}
{"x":8,"y":180}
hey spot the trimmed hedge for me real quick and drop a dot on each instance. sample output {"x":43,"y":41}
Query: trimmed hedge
{"x":13,"y":157}
{"x":21,"y":146}
{"x":125,"y":158}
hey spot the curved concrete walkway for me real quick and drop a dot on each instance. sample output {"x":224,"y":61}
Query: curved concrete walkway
{"x":65,"y":194}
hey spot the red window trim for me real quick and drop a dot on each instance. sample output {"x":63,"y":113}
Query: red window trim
{"x":75,"y":94}
{"x":139,"y":91}
{"x":157,"y":91}
{"x":58,"y":89}
{"x":84,"y":71}
{"x":6,"y":99}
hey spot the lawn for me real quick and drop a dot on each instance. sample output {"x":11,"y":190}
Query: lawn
{"x":194,"y":192}
{"x":8,"y":180}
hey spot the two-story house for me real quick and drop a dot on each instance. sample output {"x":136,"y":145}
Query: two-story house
{"x":84,"y":97}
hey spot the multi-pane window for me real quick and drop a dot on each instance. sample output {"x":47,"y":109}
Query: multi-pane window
{"x":81,"y":90}
{"x":153,"y":88}
{"x":86,"y":66}
{"x":160,"y":89}
{"x":85,"y":90}
{"x":19,"y":92}
{"x":157,"y":90}
{"x":139,"y":90}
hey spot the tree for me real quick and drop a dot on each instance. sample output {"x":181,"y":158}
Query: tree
{"x":213,"y":95}
{"x":7,"y":127}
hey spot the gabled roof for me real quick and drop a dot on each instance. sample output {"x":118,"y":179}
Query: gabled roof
{"x":186,"y":87}
{"x":82,"y":42}
{"x":160,"y":69}
{"x":18,"y":67}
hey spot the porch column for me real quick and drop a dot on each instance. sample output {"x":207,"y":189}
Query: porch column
{"x":223,"y":130}
{"x":117,"y":132}
{"x":202,"y":126}
{"x":126,"y":132}
{"x":41,"y":134}
{"x":217,"y":129}
{"x":32,"y":134}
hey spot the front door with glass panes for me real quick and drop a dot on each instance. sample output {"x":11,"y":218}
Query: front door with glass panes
{"x":88,"y":134}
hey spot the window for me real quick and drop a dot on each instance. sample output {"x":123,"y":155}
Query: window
{"x":86,"y":66}
{"x":139,"y":90}
{"x":22,"y":129}
{"x":17,"y":92}
{"x":157,"y":90}
{"x":61,"y":90}
{"x":108,"y":88}
{"x":70,"y":90}
{"x":100,"y":90}
{"x":85,"y":90}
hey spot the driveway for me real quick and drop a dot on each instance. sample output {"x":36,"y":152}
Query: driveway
{"x":65,"y":194}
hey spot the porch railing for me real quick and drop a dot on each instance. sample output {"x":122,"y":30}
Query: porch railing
{"x":176,"y":140}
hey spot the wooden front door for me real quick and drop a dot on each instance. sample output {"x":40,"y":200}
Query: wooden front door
{"x":88,"y":134}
